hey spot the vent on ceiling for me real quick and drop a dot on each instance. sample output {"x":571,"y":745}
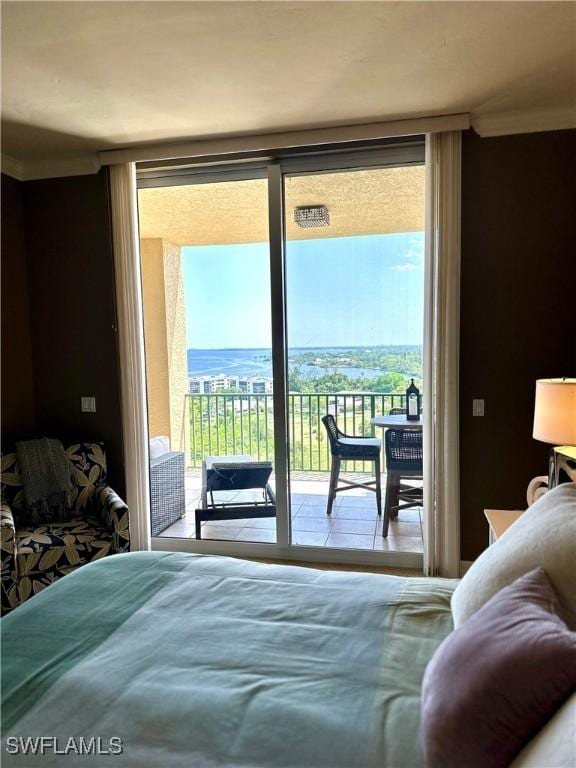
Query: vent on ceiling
{"x":307,"y":216}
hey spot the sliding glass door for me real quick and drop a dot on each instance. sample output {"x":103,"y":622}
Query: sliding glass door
{"x":275,"y":295}
{"x":354,"y":300}
{"x":206,"y":294}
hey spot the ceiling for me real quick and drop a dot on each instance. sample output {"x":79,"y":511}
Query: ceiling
{"x":79,"y":77}
{"x":376,"y":201}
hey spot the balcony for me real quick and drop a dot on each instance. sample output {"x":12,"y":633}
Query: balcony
{"x":235,"y":423}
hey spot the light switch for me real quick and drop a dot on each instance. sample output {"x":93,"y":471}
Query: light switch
{"x":88,"y":404}
{"x":477,"y":407}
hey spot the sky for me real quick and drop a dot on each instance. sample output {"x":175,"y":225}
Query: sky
{"x":346,"y":291}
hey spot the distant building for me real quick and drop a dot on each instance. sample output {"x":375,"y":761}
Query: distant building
{"x":261,"y":386}
{"x":220,"y":382}
{"x":200,"y":385}
{"x":250,"y":385}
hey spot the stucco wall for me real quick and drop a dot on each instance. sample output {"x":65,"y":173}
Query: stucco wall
{"x":165,"y":338}
{"x":175,"y":341}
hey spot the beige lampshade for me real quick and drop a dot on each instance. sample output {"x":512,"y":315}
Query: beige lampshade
{"x":555,"y":411}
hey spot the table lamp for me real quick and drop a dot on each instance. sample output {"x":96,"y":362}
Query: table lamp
{"x":555,"y":417}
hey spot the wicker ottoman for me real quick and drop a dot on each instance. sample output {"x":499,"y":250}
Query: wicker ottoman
{"x":167,"y":495}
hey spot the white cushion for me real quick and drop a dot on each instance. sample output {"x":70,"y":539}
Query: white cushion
{"x":555,"y":745}
{"x":159,"y":446}
{"x":544,"y":535}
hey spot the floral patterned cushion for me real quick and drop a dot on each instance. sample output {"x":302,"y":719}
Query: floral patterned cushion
{"x":89,"y":465}
{"x":74,"y":533}
{"x":49,"y":551}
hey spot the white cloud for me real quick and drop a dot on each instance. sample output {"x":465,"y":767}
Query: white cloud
{"x":408,"y":267}
{"x":414,"y":254}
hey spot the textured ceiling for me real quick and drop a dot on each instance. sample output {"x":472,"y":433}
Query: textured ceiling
{"x":359,"y":203}
{"x":78,"y":77}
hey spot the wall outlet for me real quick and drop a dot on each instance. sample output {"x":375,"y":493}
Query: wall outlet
{"x":477,"y":407}
{"x":88,"y":404}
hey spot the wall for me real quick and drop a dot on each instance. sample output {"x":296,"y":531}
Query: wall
{"x":18,"y":408}
{"x":72,"y":312}
{"x":165,"y":338}
{"x":152,"y":266}
{"x":176,"y":342}
{"x":518,"y":319}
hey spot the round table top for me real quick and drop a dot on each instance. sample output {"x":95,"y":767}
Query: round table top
{"x":398,"y":422}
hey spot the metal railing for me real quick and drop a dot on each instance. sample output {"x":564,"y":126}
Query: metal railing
{"x":223,"y":424}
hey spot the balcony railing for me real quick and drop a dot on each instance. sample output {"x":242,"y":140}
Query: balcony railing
{"x":223,"y":424}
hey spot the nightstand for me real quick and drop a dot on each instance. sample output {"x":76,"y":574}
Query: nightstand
{"x":562,"y":462}
{"x":500,"y":520}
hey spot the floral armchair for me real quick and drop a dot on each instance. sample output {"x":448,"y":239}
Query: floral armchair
{"x":36,"y":554}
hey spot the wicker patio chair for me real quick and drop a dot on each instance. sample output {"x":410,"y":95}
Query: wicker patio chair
{"x":351,"y":448}
{"x":404,"y":459}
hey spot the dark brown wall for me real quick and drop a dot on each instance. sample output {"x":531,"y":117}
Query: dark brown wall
{"x":71,"y":280}
{"x":518,"y":315}
{"x":18,"y":417}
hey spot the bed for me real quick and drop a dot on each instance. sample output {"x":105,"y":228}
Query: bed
{"x":203,"y":661}
{"x":199,"y":661}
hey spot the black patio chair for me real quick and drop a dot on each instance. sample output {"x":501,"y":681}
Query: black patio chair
{"x":404,"y":459}
{"x":351,"y":448}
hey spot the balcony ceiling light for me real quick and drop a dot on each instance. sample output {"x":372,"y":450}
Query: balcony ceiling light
{"x":307,"y":216}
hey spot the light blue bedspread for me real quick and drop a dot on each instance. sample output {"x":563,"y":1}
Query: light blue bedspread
{"x":201,"y":661}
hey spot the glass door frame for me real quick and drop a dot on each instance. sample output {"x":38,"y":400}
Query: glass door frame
{"x":275,"y":169}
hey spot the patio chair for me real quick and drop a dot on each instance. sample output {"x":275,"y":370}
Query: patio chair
{"x":229,"y":474}
{"x":404,"y":459}
{"x":351,"y":448}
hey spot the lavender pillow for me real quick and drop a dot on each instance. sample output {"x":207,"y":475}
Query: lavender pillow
{"x":498,"y":678}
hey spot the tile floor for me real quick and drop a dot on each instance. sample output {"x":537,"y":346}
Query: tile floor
{"x":354,"y":523}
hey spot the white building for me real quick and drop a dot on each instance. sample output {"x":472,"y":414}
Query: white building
{"x":200,"y":385}
{"x":250,"y":385}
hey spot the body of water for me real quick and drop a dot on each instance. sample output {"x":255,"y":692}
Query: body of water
{"x":258,"y":362}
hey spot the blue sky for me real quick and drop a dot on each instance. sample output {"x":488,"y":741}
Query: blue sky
{"x":346,"y":291}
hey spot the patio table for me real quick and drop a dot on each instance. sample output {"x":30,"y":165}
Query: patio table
{"x":397,"y":422}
